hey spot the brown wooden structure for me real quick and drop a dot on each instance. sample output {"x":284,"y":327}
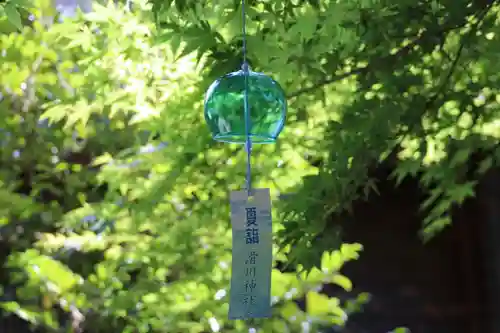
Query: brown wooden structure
{"x":437,"y":287}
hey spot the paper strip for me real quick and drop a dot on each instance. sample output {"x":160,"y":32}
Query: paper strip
{"x":250,"y":295}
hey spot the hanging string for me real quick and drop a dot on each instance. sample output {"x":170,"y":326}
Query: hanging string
{"x":246,"y":70}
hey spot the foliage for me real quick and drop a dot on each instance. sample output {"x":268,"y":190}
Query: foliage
{"x":406,"y":83}
{"x":114,"y":196}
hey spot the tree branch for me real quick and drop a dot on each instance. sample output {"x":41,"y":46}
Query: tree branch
{"x":404,"y":51}
{"x":362,"y":70}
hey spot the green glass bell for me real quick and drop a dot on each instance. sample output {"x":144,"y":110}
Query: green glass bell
{"x":225,"y":114}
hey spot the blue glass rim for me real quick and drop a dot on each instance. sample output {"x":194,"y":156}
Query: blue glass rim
{"x":242,"y":139}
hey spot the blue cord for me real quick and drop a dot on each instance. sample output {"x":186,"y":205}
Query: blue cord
{"x":246,"y":70}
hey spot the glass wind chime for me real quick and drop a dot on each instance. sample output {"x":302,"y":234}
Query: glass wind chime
{"x":248,"y":108}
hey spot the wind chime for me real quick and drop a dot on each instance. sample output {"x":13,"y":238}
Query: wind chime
{"x":247,"y":107}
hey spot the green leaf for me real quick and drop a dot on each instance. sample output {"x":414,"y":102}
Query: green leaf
{"x":13,"y":15}
{"x":485,"y":165}
{"x":314,"y":275}
{"x":317,"y":304}
{"x":103,"y":159}
{"x":400,"y":330}
{"x":55,"y":113}
{"x":342,"y":281}
{"x":350,"y":251}
{"x":290,"y":310}
{"x":331,"y":262}
{"x":25,"y":4}
{"x":150,"y":298}
{"x":460,"y":157}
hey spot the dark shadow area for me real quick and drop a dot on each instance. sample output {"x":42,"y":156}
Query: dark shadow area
{"x":436,"y":287}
